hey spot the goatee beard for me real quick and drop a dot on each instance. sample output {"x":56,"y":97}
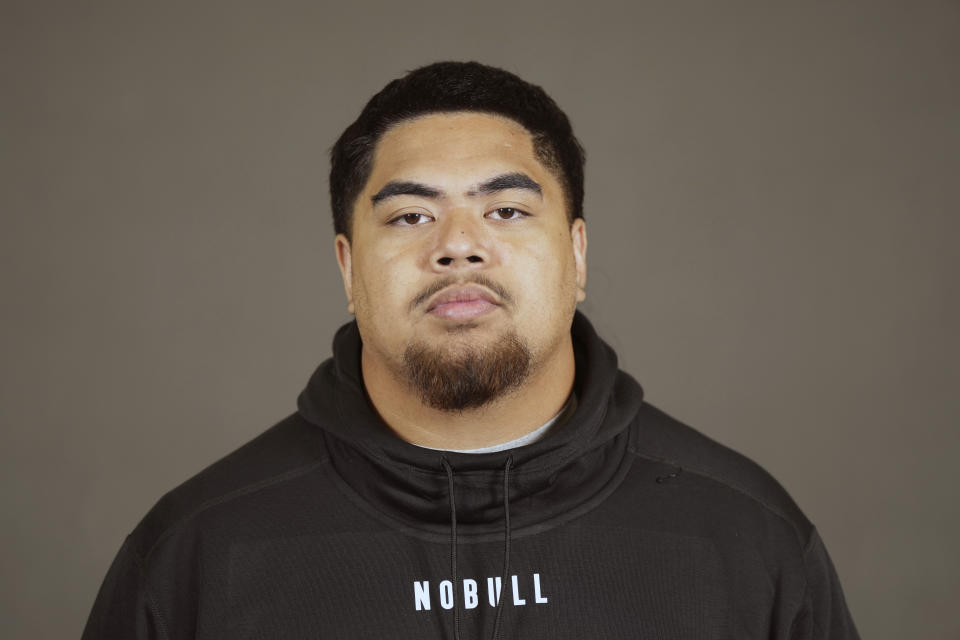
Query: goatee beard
{"x":455,"y":380}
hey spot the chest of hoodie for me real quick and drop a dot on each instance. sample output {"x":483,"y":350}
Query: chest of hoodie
{"x":303,"y":562}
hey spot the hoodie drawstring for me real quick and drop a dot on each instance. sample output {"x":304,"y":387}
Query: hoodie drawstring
{"x":453,"y":548}
{"x":507,"y":535}
{"x":506,"y":545}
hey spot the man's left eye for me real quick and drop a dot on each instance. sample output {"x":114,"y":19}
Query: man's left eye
{"x":507,"y":213}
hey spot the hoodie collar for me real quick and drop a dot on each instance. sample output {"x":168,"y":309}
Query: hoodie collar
{"x":552,"y":480}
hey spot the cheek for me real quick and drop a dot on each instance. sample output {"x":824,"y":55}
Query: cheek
{"x":546,"y":277}
{"x":384,"y":286}
{"x":370,"y":271}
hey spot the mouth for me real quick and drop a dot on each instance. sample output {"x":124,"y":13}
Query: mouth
{"x":462,"y":303}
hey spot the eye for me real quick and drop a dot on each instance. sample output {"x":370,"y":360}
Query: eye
{"x":411,"y":219}
{"x":507,"y":213}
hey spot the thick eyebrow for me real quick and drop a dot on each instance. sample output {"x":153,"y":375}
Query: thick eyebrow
{"x":504,"y":181}
{"x":405,"y":188}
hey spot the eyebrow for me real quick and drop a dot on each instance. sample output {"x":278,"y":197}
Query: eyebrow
{"x":405,"y":188}
{"x":502,"y":182}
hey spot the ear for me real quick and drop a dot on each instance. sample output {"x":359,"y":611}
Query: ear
{"x":345,"y":261}
{"x":578,"y":235}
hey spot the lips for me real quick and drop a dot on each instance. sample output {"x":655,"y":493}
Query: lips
{"x":462,"y":303}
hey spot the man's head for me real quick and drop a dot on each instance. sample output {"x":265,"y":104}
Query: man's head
{"x":446,"y":87}
{"x":460,"y":235}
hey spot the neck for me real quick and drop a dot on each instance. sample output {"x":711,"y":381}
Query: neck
{"x":541,"y":397}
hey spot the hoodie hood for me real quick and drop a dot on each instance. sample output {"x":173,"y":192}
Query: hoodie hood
{"x":550,"y":481}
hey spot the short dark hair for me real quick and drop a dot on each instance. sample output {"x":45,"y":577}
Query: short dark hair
{"x":446,"y":87}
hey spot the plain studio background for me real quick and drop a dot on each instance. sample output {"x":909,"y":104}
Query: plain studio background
{"x":772,"y":192}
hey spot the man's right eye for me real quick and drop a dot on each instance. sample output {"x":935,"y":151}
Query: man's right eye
{"x":410,"y":219}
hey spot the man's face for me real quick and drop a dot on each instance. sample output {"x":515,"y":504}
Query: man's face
{"x":461,"y":242}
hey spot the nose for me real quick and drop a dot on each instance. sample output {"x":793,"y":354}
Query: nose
{"x":460,"y":244}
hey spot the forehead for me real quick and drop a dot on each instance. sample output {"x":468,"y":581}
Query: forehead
{"x":459,"y":145}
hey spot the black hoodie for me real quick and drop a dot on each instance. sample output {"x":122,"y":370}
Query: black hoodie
{"x":621,"y":523}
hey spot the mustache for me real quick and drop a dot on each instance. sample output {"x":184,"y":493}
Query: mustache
{"x":443,"y":283}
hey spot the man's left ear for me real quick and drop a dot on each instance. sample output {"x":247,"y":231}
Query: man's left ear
{"x":578,"y":235}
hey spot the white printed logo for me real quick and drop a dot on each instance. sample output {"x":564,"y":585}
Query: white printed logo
{"x":423,"y":593}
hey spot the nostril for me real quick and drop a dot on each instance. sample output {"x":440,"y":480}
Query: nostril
{"x":474,"y":259}
{"x":445,"y":261}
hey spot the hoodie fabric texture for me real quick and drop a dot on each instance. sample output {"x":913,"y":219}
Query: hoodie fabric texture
{"x":621,"y":523}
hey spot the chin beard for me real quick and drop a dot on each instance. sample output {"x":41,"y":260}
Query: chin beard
{"x":457,"y":379}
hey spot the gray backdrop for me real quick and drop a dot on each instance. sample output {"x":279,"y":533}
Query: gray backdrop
{"x":772,"y":195}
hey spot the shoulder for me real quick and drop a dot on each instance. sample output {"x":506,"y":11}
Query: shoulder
{"x":664,"y":439}
{"x":282,"y":453}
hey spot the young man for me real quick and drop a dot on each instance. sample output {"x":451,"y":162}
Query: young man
{"x":471,"y":463}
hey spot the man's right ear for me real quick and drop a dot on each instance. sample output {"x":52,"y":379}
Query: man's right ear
{"x":345,"y":261}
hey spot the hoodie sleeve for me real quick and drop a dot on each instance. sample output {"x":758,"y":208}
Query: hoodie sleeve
{"x":123,"y":608}
{"x":823,"y":614}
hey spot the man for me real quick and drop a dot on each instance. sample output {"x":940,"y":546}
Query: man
{"x":470,"y":463}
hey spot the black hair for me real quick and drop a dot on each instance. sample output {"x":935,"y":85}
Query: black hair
{"x":446,"y":87}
